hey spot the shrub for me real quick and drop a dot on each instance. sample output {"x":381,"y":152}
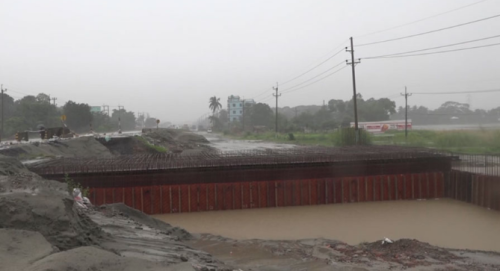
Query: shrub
{"x":347,"y":137}
{"x":291,"y":136}
{"x":72,"y":184}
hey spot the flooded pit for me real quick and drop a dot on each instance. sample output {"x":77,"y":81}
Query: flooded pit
{"x":445,"y":223}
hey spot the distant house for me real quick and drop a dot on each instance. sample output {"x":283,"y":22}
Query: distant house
{"x":235,"y":107}
{"x":95,"y":109}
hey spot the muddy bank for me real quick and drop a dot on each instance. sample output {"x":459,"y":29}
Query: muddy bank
{"x":324,"y":254}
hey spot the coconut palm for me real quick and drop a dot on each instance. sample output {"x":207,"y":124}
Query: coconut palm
{"x":214,"y":104}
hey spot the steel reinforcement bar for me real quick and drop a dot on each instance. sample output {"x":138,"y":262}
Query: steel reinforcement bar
{"x":296,"y":156}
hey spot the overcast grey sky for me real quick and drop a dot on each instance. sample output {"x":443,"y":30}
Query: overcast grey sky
{"x":168,"y":57}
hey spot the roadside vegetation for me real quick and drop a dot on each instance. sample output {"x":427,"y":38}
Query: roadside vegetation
{"x":472,"y":142}
{"x":72,"y":184}
{"x":344,"y":137}
{"x":155,"y":148}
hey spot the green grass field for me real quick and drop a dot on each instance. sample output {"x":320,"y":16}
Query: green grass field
{"x":473,"y":142}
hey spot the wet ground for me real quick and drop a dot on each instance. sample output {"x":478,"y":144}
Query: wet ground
{"x":445,"y":223}
{"x":224,"y":144}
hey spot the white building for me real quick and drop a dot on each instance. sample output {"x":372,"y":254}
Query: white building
{"x":235,"y":107}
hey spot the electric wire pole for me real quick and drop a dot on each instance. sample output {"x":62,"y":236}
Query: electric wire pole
{"x":54,"y":99}
{"x":105,"y":108}
{"x":1,"y":132}
{"x":276,"y":95}
{"x":406,"y":94}
{"x":355,"y":96}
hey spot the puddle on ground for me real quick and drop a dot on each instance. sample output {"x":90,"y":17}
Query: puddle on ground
{"x":445,"y":223}
{"x":224,"y":144}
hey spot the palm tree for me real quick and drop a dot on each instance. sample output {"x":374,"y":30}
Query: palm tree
{"x":214,"y":104}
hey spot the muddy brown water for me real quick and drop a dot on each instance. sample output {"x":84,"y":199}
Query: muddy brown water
{"x":446,"y":223}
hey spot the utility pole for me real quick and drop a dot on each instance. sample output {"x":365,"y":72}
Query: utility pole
{"x":276,"y":95}
{"x":105,"y":108}
{"x":406,"y":94}
{"x":54,"y":99}
{"x":1,"y":132}
{"x":355,"y":97}
{"x":119,"y":119}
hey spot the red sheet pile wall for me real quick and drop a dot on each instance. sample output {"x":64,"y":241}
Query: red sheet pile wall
{"x":474,"y":188}
{"x":242,"y":195}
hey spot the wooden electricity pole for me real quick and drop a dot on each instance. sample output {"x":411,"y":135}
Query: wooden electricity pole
{"x":355,"y":96}
{"x":406,"y":94}
{"x":276,"y":95}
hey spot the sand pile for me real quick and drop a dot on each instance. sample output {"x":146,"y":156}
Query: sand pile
{"x":75,"y":147}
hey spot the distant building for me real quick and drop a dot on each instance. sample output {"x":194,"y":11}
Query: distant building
{"x":95,"y":109}
{"x":382,"y":126}
{"x":235,"y":107}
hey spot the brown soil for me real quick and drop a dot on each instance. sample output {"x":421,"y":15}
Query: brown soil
{"x":322,"y":254}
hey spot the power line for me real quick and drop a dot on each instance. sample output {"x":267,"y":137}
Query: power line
{"x":440,"y":52}
{"x":317,"y":80}
{"x":313,"y":67}
{"x":266,"y":91}
{"x":335,"y":48}
{"x":429,"y":32}
{"x":342,"y":62}
{"x":457,"y":92}
{"x":420,"y":20}
{"x":432,"y":48}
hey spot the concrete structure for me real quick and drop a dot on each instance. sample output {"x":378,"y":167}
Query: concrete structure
{"x":235,"y":107}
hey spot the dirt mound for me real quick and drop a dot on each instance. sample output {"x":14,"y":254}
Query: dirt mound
{"x":177,"y":140}
{"x":19,"y":248}
{"x":126,"y":145}
{"x":11,"y":166}
{"x":140,"y":217}
{"x":76,"y":147}
{"x":408,"y":252}
{"x":28,"y":202}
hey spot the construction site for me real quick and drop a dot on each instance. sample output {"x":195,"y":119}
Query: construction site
{"x":224,"y":198}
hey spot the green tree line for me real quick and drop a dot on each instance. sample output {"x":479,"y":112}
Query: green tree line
{"x":30,"y":112}
{"x":337,"y":113}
